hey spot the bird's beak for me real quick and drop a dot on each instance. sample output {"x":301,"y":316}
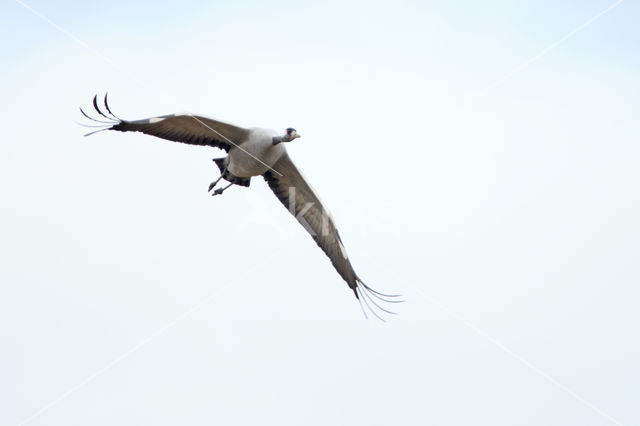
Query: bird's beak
{"x":297,"y":135}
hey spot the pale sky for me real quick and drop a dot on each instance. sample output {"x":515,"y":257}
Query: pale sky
{"x":475,"y":158}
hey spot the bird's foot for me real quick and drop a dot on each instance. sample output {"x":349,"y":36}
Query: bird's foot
{"x":221,"y":190}
{"x":214,"y":183}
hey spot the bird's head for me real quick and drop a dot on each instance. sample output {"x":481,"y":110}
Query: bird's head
{"x":290,"y":134}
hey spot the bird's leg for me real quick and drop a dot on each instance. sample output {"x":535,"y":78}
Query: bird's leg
{"x":221,"y":190}
{"x":214,"y":183}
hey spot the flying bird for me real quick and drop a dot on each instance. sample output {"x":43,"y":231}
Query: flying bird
{"x":255,"y":152}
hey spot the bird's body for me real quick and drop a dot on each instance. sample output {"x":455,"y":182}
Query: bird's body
{"x":242,"y":161}
{"x":254,"y":152}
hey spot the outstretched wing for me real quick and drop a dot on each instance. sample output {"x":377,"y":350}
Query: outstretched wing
{"x":299,"y":198}
{"x":185,"y":128}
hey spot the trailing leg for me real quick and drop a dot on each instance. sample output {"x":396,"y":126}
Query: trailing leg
{"x":214,"y":183}
{"x":220,"y":162}
{"x":220,"y":190}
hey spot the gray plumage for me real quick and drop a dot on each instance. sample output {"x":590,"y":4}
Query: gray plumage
{"x":254,"y":152}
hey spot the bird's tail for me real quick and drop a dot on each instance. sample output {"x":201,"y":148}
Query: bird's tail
{"x":220,"y":163}
{"x":226,"y":174}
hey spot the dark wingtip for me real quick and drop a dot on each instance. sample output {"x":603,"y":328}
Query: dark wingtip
{"x":366,"y":297}
{"x":95,"y":105}
{"x":106,"y":105}
{"x":364,"y":300}
{"x":93,"y":119}
{"x":102,"y":126}
{"x":379,"y":295}
{"x":96,"y":131}
{"x":360,"y":303}
{"x":109,"y":124}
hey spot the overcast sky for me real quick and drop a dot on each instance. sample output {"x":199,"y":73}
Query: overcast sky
{"x":480,"y":158}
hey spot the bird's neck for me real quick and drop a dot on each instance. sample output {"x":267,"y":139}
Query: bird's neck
{"x":277,"y":139}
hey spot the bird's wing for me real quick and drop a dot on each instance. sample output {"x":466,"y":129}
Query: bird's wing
{"x":185,"y":128}
{"x":291,"y":188}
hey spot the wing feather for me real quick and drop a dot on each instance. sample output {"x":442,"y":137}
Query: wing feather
{"x":300,"y":199}
{"x":185,"y":128}
{"x":295,"y":193}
